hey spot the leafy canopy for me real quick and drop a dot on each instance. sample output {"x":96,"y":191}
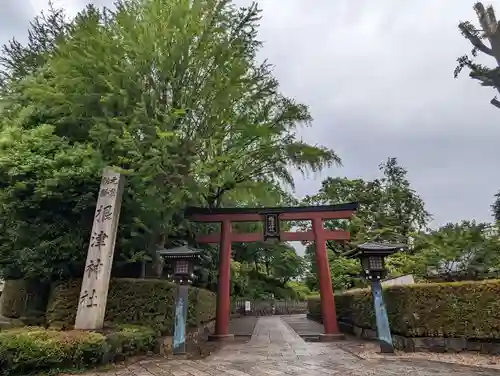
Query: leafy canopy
{"x":171,"y":94}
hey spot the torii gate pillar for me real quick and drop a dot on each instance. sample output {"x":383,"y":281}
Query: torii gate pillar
{"x":223,"y":311}
{"x":328,"y":312}
{"x":316,"y":214}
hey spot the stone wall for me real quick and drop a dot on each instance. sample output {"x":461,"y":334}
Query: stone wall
{"x":431,"y":344}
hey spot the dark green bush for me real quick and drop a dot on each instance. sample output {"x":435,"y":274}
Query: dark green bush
{"x":32,"y":350}
{"x":26,"y":299}
{"x":145,"y":302}
{"x":13,"y":298}
{"x":202,"y":306}
{"x":456,"y":309}
{"x":314,"y":306}
{"x":129,"y":340}
{"x":26,"y":350}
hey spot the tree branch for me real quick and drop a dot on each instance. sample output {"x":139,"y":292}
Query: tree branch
{"x":487,"y":19}
{"x":475,"y":40}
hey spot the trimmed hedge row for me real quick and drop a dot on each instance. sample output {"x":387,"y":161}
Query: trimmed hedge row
{"x":457,"y":309}
{"x":27,"y":350}
{"x":13,"y":298}
{"x":21,"y":298}
{"x":147,"y":302}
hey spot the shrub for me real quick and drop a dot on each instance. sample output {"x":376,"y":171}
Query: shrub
{"x":128,"y":340}
{"x":202,"y":306}
{"x":22,"y":298}
{"x":146,"y":302}
{"x":27,"y":350}
{"x":456,"y":309}
{"x":13,"y":298}
{"x":314,"y":306}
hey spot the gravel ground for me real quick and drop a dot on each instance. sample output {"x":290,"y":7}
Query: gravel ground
{"x":370,"y":350}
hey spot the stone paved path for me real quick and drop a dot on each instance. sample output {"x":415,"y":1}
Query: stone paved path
{"x":276,"y":350}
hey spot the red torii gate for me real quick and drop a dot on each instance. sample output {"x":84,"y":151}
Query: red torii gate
{"x":272,"y":218}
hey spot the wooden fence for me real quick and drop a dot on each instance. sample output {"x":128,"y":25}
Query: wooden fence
{"x":271,"y":307}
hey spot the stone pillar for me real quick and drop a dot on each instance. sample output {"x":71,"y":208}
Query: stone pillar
{"x":224,"y":285}
{"x":325,"y":284}
{"x":94,"y":292}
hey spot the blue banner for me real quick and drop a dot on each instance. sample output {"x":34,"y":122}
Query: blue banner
{"x":181,"y":309}
{"x":383,"y":329}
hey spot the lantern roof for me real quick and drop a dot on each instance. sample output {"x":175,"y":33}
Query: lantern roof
{"x":182,"y":251}
{"x":375,"y":249}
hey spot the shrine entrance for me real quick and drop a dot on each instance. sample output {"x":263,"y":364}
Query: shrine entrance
{"x":272,"y":218}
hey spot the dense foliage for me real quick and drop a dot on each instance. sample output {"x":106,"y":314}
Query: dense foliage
{"x":27,"y":351}
{"x":172,"y":95}
{"x":390,"y":210}
{"x":145,"y":302}
{"x":426,"y":310}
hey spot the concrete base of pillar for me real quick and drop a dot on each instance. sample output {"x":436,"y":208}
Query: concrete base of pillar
{"x":331,"y":337}
{"x":221,"y":337}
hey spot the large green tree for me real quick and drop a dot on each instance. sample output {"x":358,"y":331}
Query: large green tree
{"x":389,"y":210}
{"x":465,"y":250}
{"x":18,"y":61}
{"x":168,"y":92}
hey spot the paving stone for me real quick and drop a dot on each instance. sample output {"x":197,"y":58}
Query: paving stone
{"x":275,"y":349}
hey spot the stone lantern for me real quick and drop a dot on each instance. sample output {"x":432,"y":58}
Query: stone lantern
{"x":180,"y":262}
{"x":372,"y":258}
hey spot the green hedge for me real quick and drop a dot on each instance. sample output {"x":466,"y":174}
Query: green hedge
{"x":457,"y":309}
{"x":148,"y":302}
{"x":13,"y":299}
{"x":34,"y":350}
{"x":22,"y":298}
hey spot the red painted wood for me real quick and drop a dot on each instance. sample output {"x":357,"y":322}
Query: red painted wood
{"x":345,"y":214}
{"x":325,"y":282}
{"x":309,"y":235}
{"x":285,"y":236}
{"x":223,"y":309}
{"x":223,"y":217}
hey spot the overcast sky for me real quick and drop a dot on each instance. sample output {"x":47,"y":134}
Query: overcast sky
{"x":378,"y":77}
